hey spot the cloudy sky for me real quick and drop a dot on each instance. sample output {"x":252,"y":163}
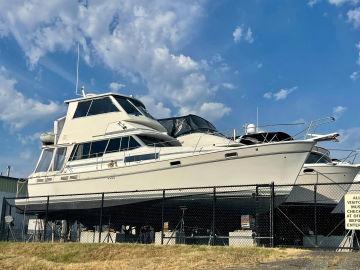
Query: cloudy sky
{"x":294,"y":60}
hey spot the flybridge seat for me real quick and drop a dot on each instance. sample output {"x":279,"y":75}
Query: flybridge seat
{"x":264,"y":137}
{"x":182,"y":125}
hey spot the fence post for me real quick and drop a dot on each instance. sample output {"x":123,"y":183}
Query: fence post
{"x":213,"y":217}
{"x":101,"y":214}
{"x":272,"y":208}
{"x":46,"y":217}
{"x":8,"y":229}
{"x":257,"y":216}
{"x":315,"y":215}
{"x":2,"y":224}
{"x":162,"y":217}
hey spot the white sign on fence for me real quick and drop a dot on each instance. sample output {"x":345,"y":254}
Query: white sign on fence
{"x":352,"y":211}
{"x":36,"y":225}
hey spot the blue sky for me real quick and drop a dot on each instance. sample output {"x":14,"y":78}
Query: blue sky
{"x":294,"y":60}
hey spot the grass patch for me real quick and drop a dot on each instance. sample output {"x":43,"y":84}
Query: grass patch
{"x":135,"y":256}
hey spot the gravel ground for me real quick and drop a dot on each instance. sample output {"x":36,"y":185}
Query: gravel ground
{"x":315,"y":260}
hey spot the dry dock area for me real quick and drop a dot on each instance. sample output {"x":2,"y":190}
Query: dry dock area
{"x":135,"y":256}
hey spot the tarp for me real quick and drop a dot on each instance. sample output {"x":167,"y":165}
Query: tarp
{"x":178,"y":126}
{"x":265,"y":137}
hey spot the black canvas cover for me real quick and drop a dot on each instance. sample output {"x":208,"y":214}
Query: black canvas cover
{"x":178,"y":126}
{"x":265,"y":137}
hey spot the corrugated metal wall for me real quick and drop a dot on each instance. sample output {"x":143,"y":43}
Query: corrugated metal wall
{"x":9,"y":184}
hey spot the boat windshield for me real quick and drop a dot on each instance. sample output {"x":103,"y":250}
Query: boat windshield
{"x":94,"y":107}
{"x":59,"y":158}
{"x":45,"y":160}
{"x":317,"y":158}
{"x":141,"y":108}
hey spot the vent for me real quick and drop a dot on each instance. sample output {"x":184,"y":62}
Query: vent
{"x":48,"y":179}
{"x":64,"y":178}
{"x":231,"y":155}
{"x":73,"y":177}
{"x":40,"y":180}
{"x":308,"y":170}
{"x":175,"y":163}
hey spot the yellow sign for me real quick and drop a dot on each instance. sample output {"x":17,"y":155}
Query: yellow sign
{"x":352,"y":211}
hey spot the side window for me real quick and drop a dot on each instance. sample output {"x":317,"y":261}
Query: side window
{"x":85,"y":150}
{"x":113,"y":146}
{"x":59,"y":158}
{"x":127,"y":106}
{"x":98,"y":148}
{"x":133,"y":143}
{"x":45,"y":160}
{"x":80,"y":151}
{"x":82,"y":109}
{"x":124,"y":143}
{"x":102,"y":105}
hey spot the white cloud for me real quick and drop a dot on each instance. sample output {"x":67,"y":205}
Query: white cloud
{"x":355,"y":75}
{"x":115,"y":86}
{"x":139,"y":39}
{"x":354,"y":17}
{"x":212,"y":111}
{"x":157,"y":109}
{"x":28,"y":139}
{"x":338,"y":111}
{"x":312,"y":2}
{"x":240,"y":33}
{"x":268,"y":95}
{"x":260,"y":65}
{"x":350,"y":138}
{"x":16,"y":110}
{"x":341,"y":2}
{"x":281,"y":94}
{"x":228,"y":86}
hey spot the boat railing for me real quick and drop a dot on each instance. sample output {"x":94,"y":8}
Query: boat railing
{"x":351,"y":156}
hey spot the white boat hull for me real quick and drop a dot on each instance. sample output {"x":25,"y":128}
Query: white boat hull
{"x":334,"y":181}
{"x":257,"y":164}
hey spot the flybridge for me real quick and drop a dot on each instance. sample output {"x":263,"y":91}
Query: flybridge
{"x":97,"y":115}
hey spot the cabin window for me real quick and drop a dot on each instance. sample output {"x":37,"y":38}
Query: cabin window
{"x":133,"y":143}
{"x":317,"y":158}
{"x":94,"y":107}
{"x":98,"y":148}
{"x":141,"y":157}
{"x":158,"y":142}
{"x":113,"y":146}
{"x":59,"y":158}
{"x":127,"y":106}
{"x":45,"y":160}
{"x":102,"y":105}
{"x":141,"y":108}
{"x":124,"y":143}
{"x":80,"y":151}
{"x":82,"y":108}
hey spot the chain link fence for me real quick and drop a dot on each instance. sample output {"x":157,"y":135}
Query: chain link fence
{"x":309,"y":216}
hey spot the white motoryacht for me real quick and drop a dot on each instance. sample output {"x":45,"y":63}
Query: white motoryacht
{"x":110,"y":143}
{"x":319,"y":168}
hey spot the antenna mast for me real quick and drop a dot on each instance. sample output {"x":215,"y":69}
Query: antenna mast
{"x":77,"y":70}
{"x":257,"y":119}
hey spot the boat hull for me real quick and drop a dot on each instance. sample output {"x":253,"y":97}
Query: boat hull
{"x":252,"y":165}
{"x":333,"y":181}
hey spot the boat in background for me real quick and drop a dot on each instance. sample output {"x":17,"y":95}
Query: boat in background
{"x":319,"y":168}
